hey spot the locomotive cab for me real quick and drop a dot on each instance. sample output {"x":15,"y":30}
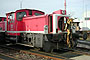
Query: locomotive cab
{"x":15,"y":23}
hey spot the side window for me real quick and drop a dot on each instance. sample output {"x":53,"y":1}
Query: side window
{"x":37,"y":14}
{"x":0,"y":19}
{"x":5,"y":19}
{"x":20,"y":14}
{"x":30,"y":12}
{"x":11,"y":18}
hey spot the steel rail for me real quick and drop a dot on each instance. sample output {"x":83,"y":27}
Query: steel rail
{"x":53,"y":56}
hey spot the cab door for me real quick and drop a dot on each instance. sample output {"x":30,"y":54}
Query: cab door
{"x":11,"y":23}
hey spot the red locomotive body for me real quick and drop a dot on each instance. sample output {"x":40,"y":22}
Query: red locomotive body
{"x":35,"y":29}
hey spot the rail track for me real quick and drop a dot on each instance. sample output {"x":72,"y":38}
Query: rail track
{"x":27,"y":53}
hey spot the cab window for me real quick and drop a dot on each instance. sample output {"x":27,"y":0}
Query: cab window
{"x":11,"y":18}
{"x":0,"y":19}
{"x":23,"y":14}
{"x":30,"y":12}
{"x":37,"y":14}
{"x":5,"y":19}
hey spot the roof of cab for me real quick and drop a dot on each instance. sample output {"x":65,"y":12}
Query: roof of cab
{"x":30,"y":9}
{"x":10,"y":13}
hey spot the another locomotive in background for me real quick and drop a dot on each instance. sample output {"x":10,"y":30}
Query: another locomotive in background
{"x":35,"y":29}
{"x":3,"y":28}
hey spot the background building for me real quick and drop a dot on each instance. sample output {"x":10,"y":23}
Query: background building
{"x":85,"y":21}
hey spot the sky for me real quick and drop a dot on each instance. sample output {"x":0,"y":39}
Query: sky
{"x":74,"y":7}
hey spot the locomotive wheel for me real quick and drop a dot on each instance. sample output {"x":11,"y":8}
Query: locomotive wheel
{"x":73,"y":43}
{"x":47,"y":46}
{"x":85,"y":36}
